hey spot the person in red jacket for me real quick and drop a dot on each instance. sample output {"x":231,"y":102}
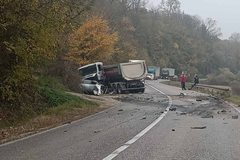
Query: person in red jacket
{"x":183,"y":80}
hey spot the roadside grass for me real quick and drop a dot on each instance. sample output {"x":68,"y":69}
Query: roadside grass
{"x":234,"y":99}
{"x":58,"y":108}
{"x":68,"y":107}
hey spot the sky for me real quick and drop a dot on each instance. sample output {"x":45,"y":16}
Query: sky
{"x":225,"y":12}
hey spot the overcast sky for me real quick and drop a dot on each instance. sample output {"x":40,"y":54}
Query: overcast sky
{"x":226,"y":12}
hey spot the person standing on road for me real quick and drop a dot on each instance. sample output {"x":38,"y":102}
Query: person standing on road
{"x":195,"y":81}
{"x":183,"y":80}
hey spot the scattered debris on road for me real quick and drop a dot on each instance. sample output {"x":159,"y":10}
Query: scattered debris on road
{"x":172,"y":109}
{"x":176,"y":119}
{"x":183,"y":113}
{"x":207,"y":116}
{"x":235,"y":117}
{"x":182,"y":94}
{"x":199,"y":127}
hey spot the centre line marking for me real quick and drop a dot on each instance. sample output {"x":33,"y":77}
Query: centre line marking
{"x":139,"y":135}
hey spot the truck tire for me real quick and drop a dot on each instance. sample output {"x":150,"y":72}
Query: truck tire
{"x":114,"y":88}
{"x":119,"y":89}
{"x":142,"y":90}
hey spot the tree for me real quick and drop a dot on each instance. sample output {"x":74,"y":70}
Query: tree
{"x":211,"y":29}
{"x":29,"y":37}
{"x":91,"y":42}
{"x":170,"y":6}
{"x":235,"y":37}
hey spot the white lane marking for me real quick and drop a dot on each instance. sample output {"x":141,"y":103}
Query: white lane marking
{"x":232,"y":105}
{"x":139,"y":135}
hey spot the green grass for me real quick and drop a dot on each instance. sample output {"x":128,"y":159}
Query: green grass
{"x":53,"y":101}
{"x":234,"y":99}
{"x":57,"y":99}
{"x":54,"y":92}
{"x":52,"y":83}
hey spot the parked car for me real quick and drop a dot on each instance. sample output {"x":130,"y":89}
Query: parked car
{"x":150,"y":76}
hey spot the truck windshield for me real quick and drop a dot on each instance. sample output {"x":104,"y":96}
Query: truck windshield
{"x":164,"y":72}
{"x":88,"y":70}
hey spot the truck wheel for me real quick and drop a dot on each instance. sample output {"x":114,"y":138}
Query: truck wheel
{"x":119,"y":89}
{"x":103,"y":90}
{"x":141,"y":90}
{"x":114,"y":88}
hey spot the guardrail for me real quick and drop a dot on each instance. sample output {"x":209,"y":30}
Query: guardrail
{"x":213,"y":87}
{"x":204,"y":86}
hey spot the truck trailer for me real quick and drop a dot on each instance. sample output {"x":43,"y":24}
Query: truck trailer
{"x":118,"y":78}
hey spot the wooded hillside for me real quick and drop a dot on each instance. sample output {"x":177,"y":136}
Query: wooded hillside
{"x":53,"y":37}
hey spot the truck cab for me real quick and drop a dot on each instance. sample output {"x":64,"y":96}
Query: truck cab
{"x":165,"y":74}
{"x":92,"y":71}
{"x":168,"y":73}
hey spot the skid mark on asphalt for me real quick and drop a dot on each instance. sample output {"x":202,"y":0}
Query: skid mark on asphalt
{"x":139,"y":135}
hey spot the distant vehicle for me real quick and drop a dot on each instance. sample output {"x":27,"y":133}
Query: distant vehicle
{"x":114,"y":78}
{"x":154,"y":70}
{"x":168,"y":73}
{"x":150,"y":76}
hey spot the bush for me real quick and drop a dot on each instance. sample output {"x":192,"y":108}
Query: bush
{"x":228,"y":74}
{"x":238,"y":76}
{"x":220,"y":79}
{"x":224,"y":77}
{"x":19,"y":99}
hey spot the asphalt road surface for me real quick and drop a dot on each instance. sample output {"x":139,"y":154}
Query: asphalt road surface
{"x":157,"y":125}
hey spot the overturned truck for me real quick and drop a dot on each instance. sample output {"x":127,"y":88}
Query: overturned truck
{"x":118,"y":78}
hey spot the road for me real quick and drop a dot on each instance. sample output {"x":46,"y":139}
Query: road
{"x":141,"y":127}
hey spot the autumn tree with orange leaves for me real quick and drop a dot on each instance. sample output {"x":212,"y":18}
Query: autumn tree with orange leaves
{"x":91,"y":42}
